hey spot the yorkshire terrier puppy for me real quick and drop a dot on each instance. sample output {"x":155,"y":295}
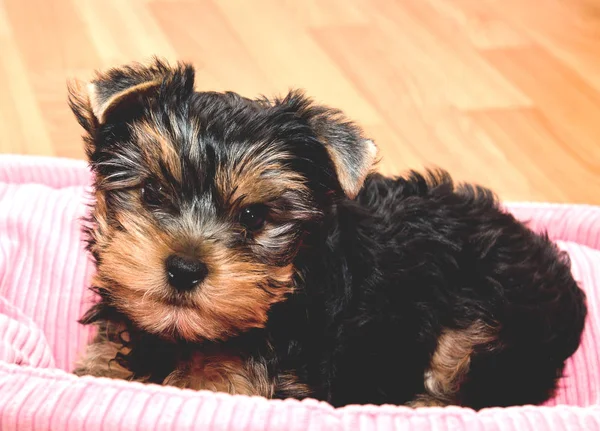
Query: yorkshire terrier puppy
{"x":246,"y":246}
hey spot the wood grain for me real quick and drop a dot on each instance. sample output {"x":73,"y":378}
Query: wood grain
{"x":502,"y":92}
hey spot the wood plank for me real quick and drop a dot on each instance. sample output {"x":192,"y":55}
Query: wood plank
{"x":23,"y":126}
{"x":480,"y":26}
{"x":505,"y":93}
{"x":451,"y":72}
{"x":236,"y":72}
{"x":527,"y":139}
{"x":434,"y":130}
{"x":570,"y":104}
{"x":291,"y":58}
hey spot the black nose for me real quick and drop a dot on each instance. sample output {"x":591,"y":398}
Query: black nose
{"x":185,"y":273}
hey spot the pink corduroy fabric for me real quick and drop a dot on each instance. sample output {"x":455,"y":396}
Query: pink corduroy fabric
{"x":43,"y":277}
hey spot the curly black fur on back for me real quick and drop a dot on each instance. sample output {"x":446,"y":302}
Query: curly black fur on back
{"x":411,"y":257}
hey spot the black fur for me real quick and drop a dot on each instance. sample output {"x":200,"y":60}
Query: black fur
{"x":414,"y":255}
{"x":378,"y":278}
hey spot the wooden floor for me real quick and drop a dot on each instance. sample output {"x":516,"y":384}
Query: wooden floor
{"x":502,"y":92}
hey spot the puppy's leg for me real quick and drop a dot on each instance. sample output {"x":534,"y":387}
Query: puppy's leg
{"x":222,"y":373}
{"x":451,"y":361}
{"x":426,"y":401}
{"x":99,"y":361}
{"x":100,"y":356}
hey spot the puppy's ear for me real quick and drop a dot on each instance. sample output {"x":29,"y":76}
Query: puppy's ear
{"x":104,"y":101}
{"x":352,"y":154}
{"x":123,"y":90}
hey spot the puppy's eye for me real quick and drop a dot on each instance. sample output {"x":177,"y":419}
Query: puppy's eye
{"x":253,"y":218}
{"x":152,"y":193}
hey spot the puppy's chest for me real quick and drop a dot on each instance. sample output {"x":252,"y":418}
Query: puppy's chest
{"x":231,"y":373}
{"x":222,"y":372}
{"x":235,"y":374}
{"x":221,"y":368}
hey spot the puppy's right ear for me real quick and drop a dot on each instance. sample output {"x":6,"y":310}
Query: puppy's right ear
{"x":121,"y":92}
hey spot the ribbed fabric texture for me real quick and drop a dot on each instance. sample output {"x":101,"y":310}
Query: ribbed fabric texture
{"x":44,"y":272}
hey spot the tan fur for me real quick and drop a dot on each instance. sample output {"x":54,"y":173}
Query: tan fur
{"x":222,"y":372}
{"x":349,"y":183}
{"x":426,"y":401}
{"x":99,"y":356}
{"x":157,"y":148}
{"x":255,"y":179}
{"x":79,"y":94}
{"x":98,"y":361}
{"x":100,"y":233}
{"x":451,"y":361}
{"x":211,"y":369}
{"x":288,"y":384}
{"x":232,"y":299}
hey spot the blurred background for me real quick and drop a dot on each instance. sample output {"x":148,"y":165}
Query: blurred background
{"x":502,"y":92}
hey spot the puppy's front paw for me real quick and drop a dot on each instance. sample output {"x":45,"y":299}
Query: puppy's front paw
{"x":99,"y":361}
{"x":426,"y":401}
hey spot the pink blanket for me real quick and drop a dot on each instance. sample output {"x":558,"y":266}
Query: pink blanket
{"x":43,"y":278}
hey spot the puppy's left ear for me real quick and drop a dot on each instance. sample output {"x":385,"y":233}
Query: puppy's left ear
{"x":103,"y":103}
{"x":352,"y":154}
{"x":122,"y":90}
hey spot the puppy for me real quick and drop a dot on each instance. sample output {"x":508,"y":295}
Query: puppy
{"x":245,"y":246}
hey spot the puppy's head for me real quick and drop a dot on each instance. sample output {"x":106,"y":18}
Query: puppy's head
{"x":202,"y":199}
